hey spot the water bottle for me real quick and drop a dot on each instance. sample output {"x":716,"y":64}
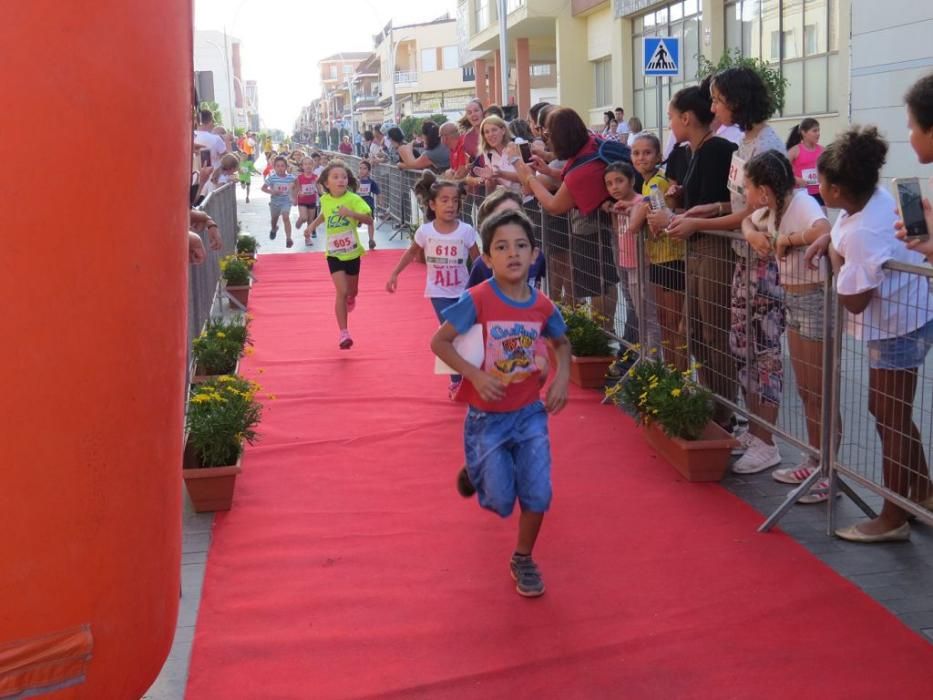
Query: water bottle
{"x":655,"y":198}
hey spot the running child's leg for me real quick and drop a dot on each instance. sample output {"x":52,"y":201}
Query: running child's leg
{"x":287,"y":221}
{"x":274,"y":211}
{"x":372,"y":235}
{"x":313,"y":212}
{"x":353,"y":287}
{"x":529,"y":525}
{"x":341,"y":284}
{"x":247,"y":193}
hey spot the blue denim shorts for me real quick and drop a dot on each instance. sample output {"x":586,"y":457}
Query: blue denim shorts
{"x":441,"y":303}
{"x":508,"y":456}
{"x":903,"y":352}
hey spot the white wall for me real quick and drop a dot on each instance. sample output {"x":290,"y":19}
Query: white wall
{"x":209,"y":55}
{"x":891,"y":49}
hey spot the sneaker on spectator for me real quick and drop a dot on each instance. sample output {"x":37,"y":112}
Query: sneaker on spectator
{"x":818,"y":493}
{"x":795,"y":475}
{"x":744,"y":439}
{"x":527,"y":577}
{"x":758,"y":457}
{"x":346,"y":342}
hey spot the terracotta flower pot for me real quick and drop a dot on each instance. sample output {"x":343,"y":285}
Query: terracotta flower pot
{"x":705,"y":459}
{"x":240,"y":293}
{"x":589,"y":372}
{"x":210,"y":488}
{"x":200,"y":375}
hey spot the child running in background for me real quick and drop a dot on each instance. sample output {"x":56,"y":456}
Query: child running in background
{"x":270,"y":163}
{"x":307,"y":198}
{"x":247,"y":170}
{"x":789,"y":222}
{"x":502,"y":200}
{"x":666,"y":277}
{"x":889,"y":309}
{"x":629,"y":220}
{"x":281,"y":185}
{"x":446,"y":242}
{"x":342,"y":211}
{"x":505,"y":435}
{"x":803,"y":150}
{"x":369,"y":190}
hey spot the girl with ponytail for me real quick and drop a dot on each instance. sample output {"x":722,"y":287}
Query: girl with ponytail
{"x":787,"y":222}
{"x":803,"y":150}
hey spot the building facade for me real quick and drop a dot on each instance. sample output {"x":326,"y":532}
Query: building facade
{"x":845,"y":60}
{"x":420,"y":71}
{"x":218,"y":76}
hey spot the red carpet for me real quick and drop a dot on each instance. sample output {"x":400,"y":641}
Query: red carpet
{"x":349,"y":567}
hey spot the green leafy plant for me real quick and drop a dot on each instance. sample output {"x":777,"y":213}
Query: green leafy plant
{"x":246,"y":244}
{"x":411,"y":126}
{"x":235,"y":271}
{"x":215,"y":110}
{"x":771,"y":75}
{"x":222,"y":414}
{"x":221,"y":343}
{"x":586,"y":335}
{"x":655,"y":392}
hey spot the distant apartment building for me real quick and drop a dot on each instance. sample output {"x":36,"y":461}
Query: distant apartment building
{"x":337,"y":76}
{"x":419,"y":66}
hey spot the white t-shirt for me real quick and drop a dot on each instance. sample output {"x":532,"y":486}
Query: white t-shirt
{"x":446,"y":256}
{"x":376,"y":152}
{"x":802,"y":213}
{"x":766,"y":140}
{"x":731,"y":133}
{"x":900,"y":303}
{"x":622,"y":128}
{"x":214,"y":143}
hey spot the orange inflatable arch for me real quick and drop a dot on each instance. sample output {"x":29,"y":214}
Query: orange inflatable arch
{"x":96,"y":163}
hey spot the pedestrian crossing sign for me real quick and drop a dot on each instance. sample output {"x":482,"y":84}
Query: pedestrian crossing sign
{"x":662,"y":55}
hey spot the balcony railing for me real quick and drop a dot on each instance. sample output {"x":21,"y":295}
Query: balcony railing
{"x":406,"y":77}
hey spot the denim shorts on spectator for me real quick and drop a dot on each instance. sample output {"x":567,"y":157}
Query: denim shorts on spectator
{"x":804,"y":313}
{"x":903,"y":352}
{"x":508,"y":456}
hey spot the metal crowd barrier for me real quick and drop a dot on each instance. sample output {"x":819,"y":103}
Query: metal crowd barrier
{"x":809,"y":388}
{"x":204,"y":280}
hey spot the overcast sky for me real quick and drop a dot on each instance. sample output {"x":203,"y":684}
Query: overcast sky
{"x":282,"y":41}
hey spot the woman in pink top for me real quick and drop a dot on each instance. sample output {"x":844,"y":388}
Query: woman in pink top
{"x":470,"y":127}
{"x":803,"y":150}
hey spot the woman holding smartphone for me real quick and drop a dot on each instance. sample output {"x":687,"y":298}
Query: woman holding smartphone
{"x":919,"y":101}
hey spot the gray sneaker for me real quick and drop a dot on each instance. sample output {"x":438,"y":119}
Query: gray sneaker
{"x":528,"y":581}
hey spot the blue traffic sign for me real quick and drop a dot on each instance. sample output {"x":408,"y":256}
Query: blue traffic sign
{"x":662,"y":55}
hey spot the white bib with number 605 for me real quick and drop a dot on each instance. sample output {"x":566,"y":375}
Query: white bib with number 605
{"x":341,"y":243}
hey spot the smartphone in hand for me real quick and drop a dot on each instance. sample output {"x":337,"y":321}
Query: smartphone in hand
{"x":525,"y":148}
{"x":910,"y":206}
{"x":205,"y":158}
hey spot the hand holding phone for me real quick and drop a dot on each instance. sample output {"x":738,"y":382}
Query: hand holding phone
{"x":910,"y":206}
{"x":205,"y":158}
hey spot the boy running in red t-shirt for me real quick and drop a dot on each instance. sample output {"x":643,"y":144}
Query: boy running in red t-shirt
{"x":505,"y":436}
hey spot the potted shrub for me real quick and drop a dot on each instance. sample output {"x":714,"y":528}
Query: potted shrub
{"x":246,"y":246}
{"x":219,"y":347}
{"x":591,"y":354}
{"x":222,"y":414}
{"x":676,"y":413}
{"x":237,"y":278}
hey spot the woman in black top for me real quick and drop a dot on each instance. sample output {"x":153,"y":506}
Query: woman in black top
{"x":699,"y":174}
